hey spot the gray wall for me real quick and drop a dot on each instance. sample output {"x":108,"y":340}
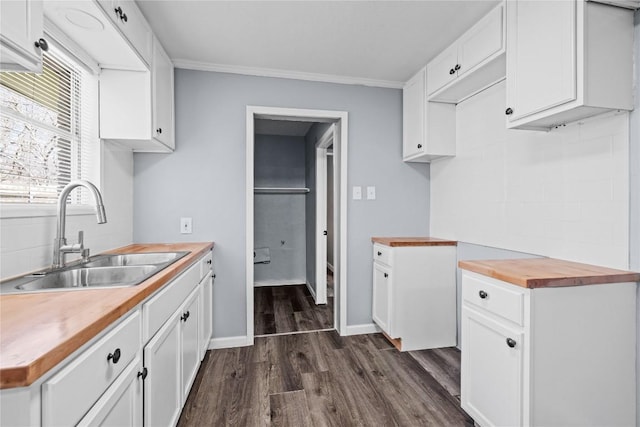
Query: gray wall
{"x":311,"y":138}
{"x":205,"y":178}
{"x":279,"y":161}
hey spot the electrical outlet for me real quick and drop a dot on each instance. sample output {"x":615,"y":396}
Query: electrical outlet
{"x":357,"y":193}
{"x":185,"y":225}
{"x":371,"y":193}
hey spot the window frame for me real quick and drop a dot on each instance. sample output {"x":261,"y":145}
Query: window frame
{"x":34,"y":210}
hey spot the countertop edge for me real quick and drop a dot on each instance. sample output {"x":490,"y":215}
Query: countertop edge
{"x":413,"y":241}
{"x":26,"y":374}
{"x":608,"y":276}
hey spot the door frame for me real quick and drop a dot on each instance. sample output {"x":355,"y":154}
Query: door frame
{"x":340,"y":138}
{"x":323,"y":143}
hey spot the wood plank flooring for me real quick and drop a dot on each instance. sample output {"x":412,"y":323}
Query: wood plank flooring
{"x":323,"y":379}
{"x":281,"y":309}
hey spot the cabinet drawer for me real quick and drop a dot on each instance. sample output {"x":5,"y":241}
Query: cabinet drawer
{"x":383,"y":254}
{"x":161,"y":306}
{"x":69,"y":394}
{"x":504,"y":300}
{"x":206,"y":264}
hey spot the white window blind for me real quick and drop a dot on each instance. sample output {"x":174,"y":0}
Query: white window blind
{"x":48,"y":130}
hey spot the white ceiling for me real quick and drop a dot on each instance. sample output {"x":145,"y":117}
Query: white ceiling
{"x":380,"y":43}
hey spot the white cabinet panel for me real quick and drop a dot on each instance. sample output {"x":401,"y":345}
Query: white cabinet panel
{"x":428,"y":128}
{"x":69,"y":394}
{"x":566,"y":61}
{"x":472,"y":63}
{"x":542,"y":55}
{"x":492,"y":371}
{"x":130,"y":21}
{"x":162,"y":76}
{"x":121,"y":405}
{"x":206,"y":314}
{"x":189,"y":341}
{"x":382,"y":296}
{"x":21,"y":24}
{"x":162,"y":402}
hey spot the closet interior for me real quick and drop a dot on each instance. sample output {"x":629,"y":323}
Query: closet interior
{"x":285,"y":228}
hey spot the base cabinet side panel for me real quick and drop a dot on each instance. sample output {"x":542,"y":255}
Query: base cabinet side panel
{"x":491,"y":371}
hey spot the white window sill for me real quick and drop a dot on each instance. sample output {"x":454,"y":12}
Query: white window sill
{"x":33,"y":211}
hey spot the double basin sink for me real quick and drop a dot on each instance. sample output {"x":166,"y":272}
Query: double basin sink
{"x":100,"y":271}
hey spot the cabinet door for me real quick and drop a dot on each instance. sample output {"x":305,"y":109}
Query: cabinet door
{"x":189,"y":342}
{"x":162,"y":96}
{"x":413,"y":115}
{"x":21,"y":23}
{"x":162,"y":400}
{"x":491,"y":371}
{"x":206,"y":314}
{"x":382,"y":298}
{"x":441,"y":70}
{"x":128,"y":18}
{"x":482,"y":41}
{"x":121,"y":405}
{"x":541,"y":55}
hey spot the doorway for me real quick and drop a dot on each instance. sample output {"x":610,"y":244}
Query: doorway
{"x":332,"y":143}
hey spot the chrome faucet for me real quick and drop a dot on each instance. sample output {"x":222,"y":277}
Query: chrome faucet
{"x":60,"y":246}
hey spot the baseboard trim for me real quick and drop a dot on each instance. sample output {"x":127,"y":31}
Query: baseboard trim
{"x":366,"y":328}
{"x":229,"y":342}
{"x":261,"y":283}
{"x":312,"y":292}
{"x":330,"y":267}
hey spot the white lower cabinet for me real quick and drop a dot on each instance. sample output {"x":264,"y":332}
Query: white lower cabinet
{"x":139,"y":371}
{"x":556,"y":356}
{"x":414,"y":295}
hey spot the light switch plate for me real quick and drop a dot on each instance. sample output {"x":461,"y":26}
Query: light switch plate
{"x":185,"y":225}
{"x":371,"y":193}
{"x":357,"y":193}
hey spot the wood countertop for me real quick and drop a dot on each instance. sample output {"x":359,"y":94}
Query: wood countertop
{"x":548,"y":272}
{"x":413,"y":241}
{"x":39,"y":330}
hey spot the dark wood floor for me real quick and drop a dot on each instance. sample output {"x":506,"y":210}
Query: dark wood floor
{"x":322,"y":379}
{"x":282,"y":309}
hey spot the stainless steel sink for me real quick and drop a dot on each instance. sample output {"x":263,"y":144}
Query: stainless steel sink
{"x":95,"y":277}
{"x":101,"y":271}
{"x":150,"y":258}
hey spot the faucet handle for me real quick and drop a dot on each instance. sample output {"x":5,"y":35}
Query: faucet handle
{"x":81,"y":238}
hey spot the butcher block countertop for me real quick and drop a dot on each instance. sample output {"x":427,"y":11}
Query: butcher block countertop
{"x":39,"y":330}
{"x":547,"y":272}
{"x":413,"y":241}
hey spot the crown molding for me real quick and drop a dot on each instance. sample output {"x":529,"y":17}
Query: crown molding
{"x":284,"y":74}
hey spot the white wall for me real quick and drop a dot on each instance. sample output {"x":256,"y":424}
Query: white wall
{"x":26,"y":244}
{"x":562,"y":194}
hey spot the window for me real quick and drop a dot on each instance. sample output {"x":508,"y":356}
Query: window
{"x":48,"y":131}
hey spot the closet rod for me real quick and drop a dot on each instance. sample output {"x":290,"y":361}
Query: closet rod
{"x":280,"y":190}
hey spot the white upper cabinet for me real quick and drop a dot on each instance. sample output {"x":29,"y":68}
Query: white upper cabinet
{"x":130,"y":21}
{"x":20,"y":45}
{"x":162,"y":82}
{"x":471,"y":63}
{"x":428,"y":128}
{"x":566,"y":60}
